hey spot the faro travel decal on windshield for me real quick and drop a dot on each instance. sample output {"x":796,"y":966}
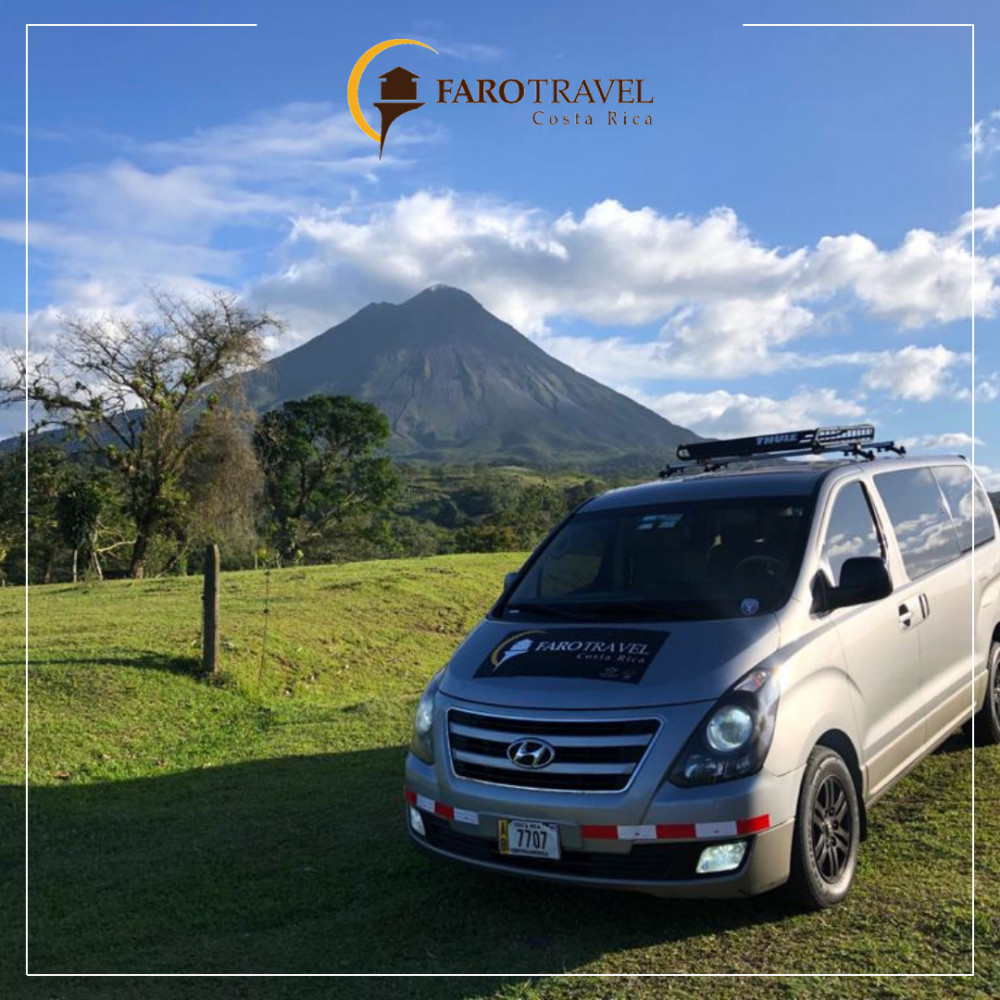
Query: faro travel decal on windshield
{"x":595,"y":654}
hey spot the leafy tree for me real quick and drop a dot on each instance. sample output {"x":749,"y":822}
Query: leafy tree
{"x":47,"y":474}
{"x":223,"y":484}
{"x":11,"y":509}
{"x":135,"y":391}
{"x":322,"y":467}
{"x":78,"y":513}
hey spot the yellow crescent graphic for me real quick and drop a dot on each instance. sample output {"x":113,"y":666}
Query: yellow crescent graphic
{"x":354,"y":81}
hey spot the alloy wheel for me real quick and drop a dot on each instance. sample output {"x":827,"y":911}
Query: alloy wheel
{"x":830,"y":830}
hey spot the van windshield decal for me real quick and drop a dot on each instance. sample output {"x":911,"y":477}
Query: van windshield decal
{"x":593,"y":654}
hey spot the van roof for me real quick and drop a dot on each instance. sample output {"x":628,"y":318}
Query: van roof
{"x":784,"y":478}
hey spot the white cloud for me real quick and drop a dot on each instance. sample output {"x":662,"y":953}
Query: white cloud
{"x":472,"y":51}
{"x":985,"y":221}
{"x":723,"y":299}
{"x":310,"y":130}
{"x":728,"y":414}
{"x":927,"y":279}
{"x":184,"y":202}
{"x":987,"y":389}
{"x":949,"y":441}
{"x":986,"y":135}
{"x":155,"y":217}
{"x":990,"y":477}
{"x":914,"y":373}
{"x":302,"y":146}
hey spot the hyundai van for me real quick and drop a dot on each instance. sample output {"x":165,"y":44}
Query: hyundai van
{"x":699,"y":686}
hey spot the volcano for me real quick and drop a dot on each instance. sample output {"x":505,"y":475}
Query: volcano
{"x":460,"y":385}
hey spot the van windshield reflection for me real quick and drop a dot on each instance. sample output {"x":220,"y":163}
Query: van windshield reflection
{"x":685,"y":561}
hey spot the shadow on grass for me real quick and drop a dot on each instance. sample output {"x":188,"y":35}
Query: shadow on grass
{"x":146,"y":660}
{"x":302,"y":864}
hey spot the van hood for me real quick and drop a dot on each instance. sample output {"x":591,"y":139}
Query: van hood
{"x":603,"y":665}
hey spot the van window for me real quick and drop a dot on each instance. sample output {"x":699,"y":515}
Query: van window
{"x":920,"y":519}
{"x":850,"y":532}
{"x":969,"y":504}
{"x":728,"y":557}
{"x":574,"y":558}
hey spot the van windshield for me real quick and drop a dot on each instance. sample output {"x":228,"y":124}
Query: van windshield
{"x":696,"y":560}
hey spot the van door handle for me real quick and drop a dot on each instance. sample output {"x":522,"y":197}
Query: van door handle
{"x":925,"y":606}
{"x":905,"y":617}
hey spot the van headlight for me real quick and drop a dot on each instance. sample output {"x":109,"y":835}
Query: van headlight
{"x":733,"y":739}
{"x":729,"y":728}
{"x":422,"y":738}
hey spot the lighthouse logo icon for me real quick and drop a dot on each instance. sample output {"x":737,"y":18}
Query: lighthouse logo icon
{"x":399,"y":95}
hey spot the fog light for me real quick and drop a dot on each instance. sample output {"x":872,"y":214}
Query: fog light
{"x":417,"y":822}
{"x":721,"y":857}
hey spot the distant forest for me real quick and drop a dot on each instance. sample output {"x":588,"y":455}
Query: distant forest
{"x":80,"y":526}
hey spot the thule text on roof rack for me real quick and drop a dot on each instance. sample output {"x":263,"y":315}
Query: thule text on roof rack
{"x":855,"y":441}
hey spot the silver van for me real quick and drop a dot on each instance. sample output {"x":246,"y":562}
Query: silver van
{"x":699,"y":686}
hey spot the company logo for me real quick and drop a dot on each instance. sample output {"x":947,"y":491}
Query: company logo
{"x":531,"y":754}
{"x":619,"y":98}
{"x":514,"y":645}
{"x":399,"y":91}
{"x":596,"y":653}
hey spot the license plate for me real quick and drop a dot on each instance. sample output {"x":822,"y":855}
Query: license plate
{"x":529,"y":839}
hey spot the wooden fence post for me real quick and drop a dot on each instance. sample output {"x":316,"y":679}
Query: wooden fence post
{"x":210,"y":616}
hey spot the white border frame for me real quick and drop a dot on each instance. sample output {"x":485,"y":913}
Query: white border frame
{"x":490,"y":975}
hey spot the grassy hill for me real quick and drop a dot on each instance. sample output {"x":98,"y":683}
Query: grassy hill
{"x":255,"y":823}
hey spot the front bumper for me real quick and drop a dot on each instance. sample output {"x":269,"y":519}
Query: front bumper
{"x":657,"y":855}
{"x":661,"y":869}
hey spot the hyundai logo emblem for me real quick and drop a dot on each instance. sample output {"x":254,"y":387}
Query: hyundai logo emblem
{"x":531,"y":754}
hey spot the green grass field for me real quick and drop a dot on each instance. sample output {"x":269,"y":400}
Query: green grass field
{"x":254,"y":823}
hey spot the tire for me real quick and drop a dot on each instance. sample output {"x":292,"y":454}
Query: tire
{"x":987,"y":728}
{"x":827,"y":832}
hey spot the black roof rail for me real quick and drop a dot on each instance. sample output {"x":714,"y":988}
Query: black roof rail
{"x":855,"y":441}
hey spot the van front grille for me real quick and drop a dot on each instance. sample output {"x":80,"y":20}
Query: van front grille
{"x":589,"y":756}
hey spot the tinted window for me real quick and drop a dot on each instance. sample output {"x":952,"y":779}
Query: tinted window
{"x":715,"y":558}
{"x":969,"y":504}
{"x":920,"y":519}
{"x":851,"y":531}
{"x":575,"y":558}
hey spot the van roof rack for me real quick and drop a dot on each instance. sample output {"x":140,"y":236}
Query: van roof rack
{"x":854,"y":441}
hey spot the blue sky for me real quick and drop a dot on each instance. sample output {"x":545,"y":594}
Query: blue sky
{"x":787,"y":243}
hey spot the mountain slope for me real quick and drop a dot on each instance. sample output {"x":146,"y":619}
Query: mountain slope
{"x":458,"y":384}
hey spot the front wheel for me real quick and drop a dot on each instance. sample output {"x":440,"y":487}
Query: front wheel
{"x":827,"y":831}
{"x":987,"y":728}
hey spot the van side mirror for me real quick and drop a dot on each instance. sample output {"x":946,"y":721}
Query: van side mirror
{"x":508,"y":580}
{"x":863,"y":579}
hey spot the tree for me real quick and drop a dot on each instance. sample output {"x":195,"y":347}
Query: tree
{"x":78,"y":512}
{"x":47,"y":471}
{"x":135,"y":391}
{"x":321,"y":467}
{"x":11,"y":508}
{"x":223,"y":484}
